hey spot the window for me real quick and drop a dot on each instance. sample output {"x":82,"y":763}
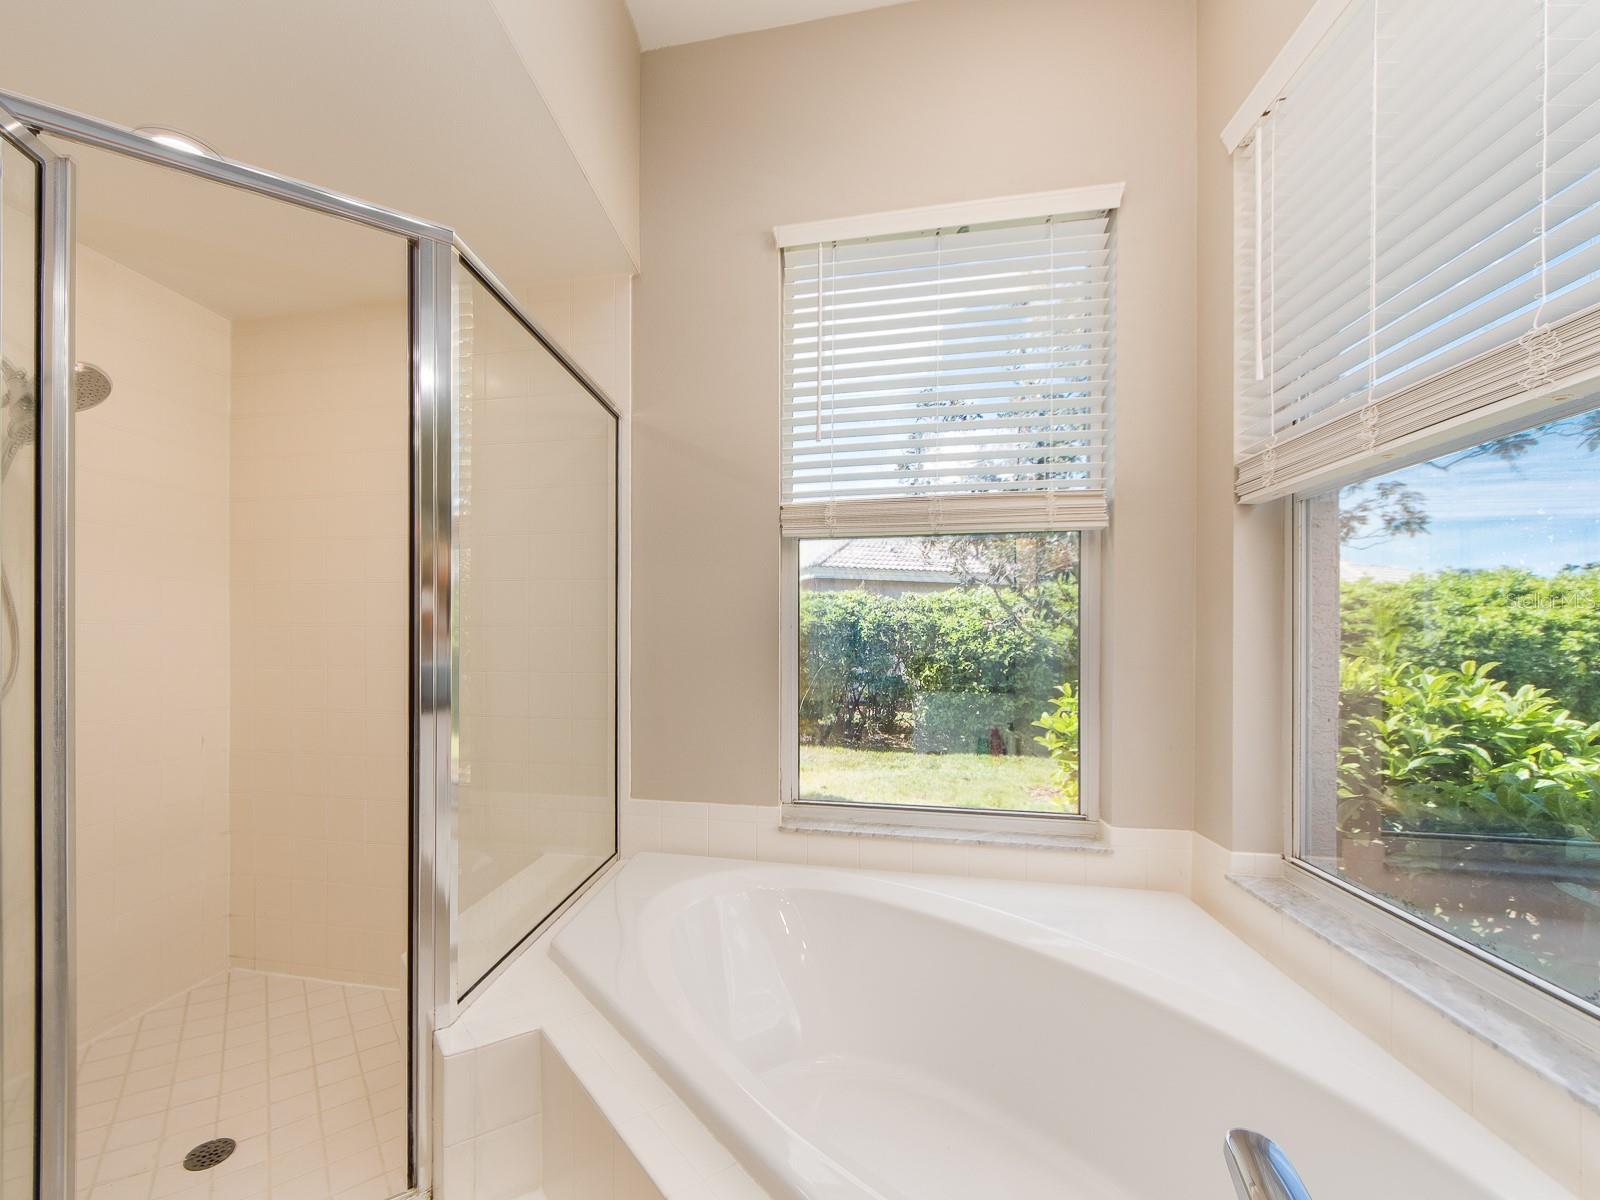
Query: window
{"x":945,"y":430}
{"x":941,"y":672}
{"x":1450,"y":702}
{"x":1417,"y":235}
{"x":1417,"y":275}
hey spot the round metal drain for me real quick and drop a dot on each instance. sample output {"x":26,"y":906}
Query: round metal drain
{"x":208,"y":1154}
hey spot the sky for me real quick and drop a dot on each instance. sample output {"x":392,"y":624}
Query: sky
{"x":1540,"y":512}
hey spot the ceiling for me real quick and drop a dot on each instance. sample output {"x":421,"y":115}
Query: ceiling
{"x":448,"y":126}
{"x":673,"y":22}
{"x":240,"y":255}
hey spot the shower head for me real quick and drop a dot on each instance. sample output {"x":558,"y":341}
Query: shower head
{"x":90,"y":386}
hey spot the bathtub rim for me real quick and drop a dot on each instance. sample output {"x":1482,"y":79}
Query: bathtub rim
{"x":710,"y":1101}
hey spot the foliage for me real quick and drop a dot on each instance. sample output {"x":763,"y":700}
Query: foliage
{"x":1431,"y":748}
{"x":964,"y":723}
{"x":1540,"y":630}
{"x":1060,"y":738}
{"x":1385,"y":509}
{"x":865,"y":657}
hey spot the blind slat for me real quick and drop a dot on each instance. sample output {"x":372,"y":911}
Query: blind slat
{"x":1417,"y":231}
{"x":969,"y":362}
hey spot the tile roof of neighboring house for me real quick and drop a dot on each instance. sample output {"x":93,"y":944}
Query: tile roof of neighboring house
{"x":909,"y":559}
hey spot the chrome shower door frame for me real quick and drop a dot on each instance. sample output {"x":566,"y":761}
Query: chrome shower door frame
{"x":55,"y":1029}
{"x":429,"y":317}
{"x":433,"y":251}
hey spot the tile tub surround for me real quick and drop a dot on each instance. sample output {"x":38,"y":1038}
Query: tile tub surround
{"x":1121,"y":857}
{"x":584,"y":1157}
{"x":307,"y":1076}
{"x":508,"y":1121}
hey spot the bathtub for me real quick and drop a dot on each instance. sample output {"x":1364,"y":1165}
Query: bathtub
{"x":853,"y":1035}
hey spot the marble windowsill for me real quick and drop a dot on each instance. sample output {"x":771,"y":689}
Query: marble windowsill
{"x":1080,"y":842}
{"x":1548,"y":1053}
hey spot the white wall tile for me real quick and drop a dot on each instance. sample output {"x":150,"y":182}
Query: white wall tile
{"x":508,"y":1161}
{"x":319,"y":631}
{"x":508,"y":1082}
{"x":152,"y":646}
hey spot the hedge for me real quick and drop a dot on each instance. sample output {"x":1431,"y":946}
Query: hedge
{"x":876,"y":669}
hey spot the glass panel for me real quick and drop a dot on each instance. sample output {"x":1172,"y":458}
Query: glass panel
{"x":1451,"y":718}
{"x":241,"y":629}
{"x":19,"y":283}
{"x":941,"y":671}
{"x":534,"y":631}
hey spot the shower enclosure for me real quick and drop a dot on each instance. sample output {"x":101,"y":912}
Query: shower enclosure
{"x":512,"y":681}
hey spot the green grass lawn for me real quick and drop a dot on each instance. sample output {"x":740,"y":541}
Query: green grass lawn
{"x":946,"y":780}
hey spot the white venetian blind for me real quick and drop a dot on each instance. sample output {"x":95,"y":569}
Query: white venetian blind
{"x":1419,"y":235}
{"x":957,"y":378}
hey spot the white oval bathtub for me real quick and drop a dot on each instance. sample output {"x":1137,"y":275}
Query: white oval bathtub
{"x":857,"y":1035}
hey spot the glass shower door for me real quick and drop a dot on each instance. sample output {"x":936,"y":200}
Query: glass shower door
{"x":533,"y":630}
{"x":19,"y":302}
{"x":35,"y":710}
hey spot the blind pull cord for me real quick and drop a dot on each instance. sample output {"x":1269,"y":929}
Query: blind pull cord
{"x":1541,"y":344}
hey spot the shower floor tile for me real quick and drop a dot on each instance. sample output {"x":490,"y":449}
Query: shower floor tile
{"x":308,"y":1077}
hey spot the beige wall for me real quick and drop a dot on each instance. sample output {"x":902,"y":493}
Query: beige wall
{"x":923,"y":103}
{"x":584,"y":58}
{"x":152,"y":645}
{"x":320,"y":528}
{"x":1240,"y":696}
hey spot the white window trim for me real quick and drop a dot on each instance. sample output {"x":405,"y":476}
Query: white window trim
{"x":1536,"y":996}
{"x":906,"y":819}
{"x":1322,"y":17}
{"x":936,"y":216}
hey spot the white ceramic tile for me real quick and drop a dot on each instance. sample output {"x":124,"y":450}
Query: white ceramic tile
{"x":316,"y":774}
{"x":507,"y":1089}
{"x":507,"y":1161}
{"x":152,"y":655}
{"x":294,"y":1139}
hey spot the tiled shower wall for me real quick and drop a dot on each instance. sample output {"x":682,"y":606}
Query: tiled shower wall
{"x":242,"y":612}
{"x":152,"y":645}
{"x":320,"y":525}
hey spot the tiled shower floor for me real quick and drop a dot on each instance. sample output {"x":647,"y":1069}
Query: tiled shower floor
{"x":308,"y":1077}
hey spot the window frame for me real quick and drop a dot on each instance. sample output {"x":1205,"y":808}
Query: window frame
{"x":1044,"y":825}
{"x":1499,"y":977}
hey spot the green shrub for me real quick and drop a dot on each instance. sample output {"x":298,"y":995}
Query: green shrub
{"x":1060,"y":738}
{"x":966,"y":722}
{"x":1538,"y":629}
{"x":853,"y":684}
{"x":1430,"y":748}
{"x":866,"y":658}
